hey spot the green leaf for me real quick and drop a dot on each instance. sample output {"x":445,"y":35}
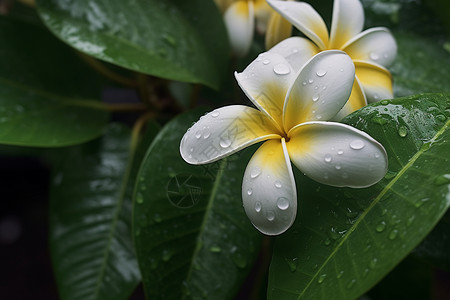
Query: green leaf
{"x":192,"y":237}
{"x":180,"y":40}
{"x":45,"y":90}
{"x":418,"y":67}
{"x":345,"y":240}
{"x":90,"y":218}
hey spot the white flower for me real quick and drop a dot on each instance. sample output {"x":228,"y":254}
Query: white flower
{"x":371,"y":50}
{"x":240,"y":17}
{"x":291,"y":120}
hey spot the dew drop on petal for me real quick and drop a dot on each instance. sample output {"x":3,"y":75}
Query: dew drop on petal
{"x":266,"y":62}
{"x":283,"y":203}
{"x":304,"y":82}
{"x":225,"y":143}
{"x":258,"y":206}
{"x":294,"y":50}
{"x":374,"y":56}
{"x":206,"y":135}
{"x":321,"y":73}
{"x":249,"y":192}
{"x":311,"y":80}
{"x":270,"y":215}
{"x":338,"y":166}
{"x":255,"y":172}
{"x":198,"y":134}
{"x":357,"y":144}
{"x":315,"y":97}
{"x":281,"y":69}
{"x":278,"y":184}
{"x":340,"y":152}
{"x":215,"y":114}
{"x":327,"y":158}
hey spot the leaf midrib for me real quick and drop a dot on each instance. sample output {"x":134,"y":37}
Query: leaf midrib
{"x":374,"y":202}
{"x":208,"y":210}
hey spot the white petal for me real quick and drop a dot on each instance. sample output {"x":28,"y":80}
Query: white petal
{"x":240,"y":22}
{"x":305,"y":18}
{"x":296,"y":50}
{"x":225,"y":131}
{"x":375,"y":80}
{"x":356,"y":101}
{"x":265,"y":82}
{"x":337,"y":154}
{"x":268,"y":189}
{"x":321,"y":88}
{"x":375,"y":44}
{"x":348,"y":21}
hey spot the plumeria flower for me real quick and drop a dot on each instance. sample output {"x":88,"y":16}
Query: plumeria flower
{"x":291,"y":114}
{"x":240,"y":17}
{"x":371,"y":50}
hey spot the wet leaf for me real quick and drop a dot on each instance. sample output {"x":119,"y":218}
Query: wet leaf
{"x":177,"y":40}
{"x":46,"y":91}
{"x":90,"y":217}
{"x":191,"y":234}
{"x":345,"y":240}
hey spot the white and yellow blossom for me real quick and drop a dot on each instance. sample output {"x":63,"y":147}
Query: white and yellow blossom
{"x":371,"y":50}
{"x":241,"y":17}
{"x":291,"y":119}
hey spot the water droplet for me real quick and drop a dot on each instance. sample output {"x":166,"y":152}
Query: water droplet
{"x":191,"y":150}
{"x":166,"y":255}
{"x":393,"y":234}
{"x":239,"y":260}
{"x":304,"y":82}
{"x":410,"y":220}
{"x":281,"y":69}
{"x":315,"y":97}
{"x":311,"y":80}
{"x":357,"y":144}
{"x":157,"y":218}
{"x":322,"y":278}
{"x":321,"y":73}
{"x":258,"y":206}
{"x":318,"y":117}
{"x":373,"y":263}
{"x":327,"y":242}
{"x":225,"y":143}
{"x":294,"y":50}
{"x":328,"y":158}
{"x":374,"y":56}
{"x":255,"y":172}
{"x":381,"y":226}
{"x":139,"y":198}
{"x":266,"y":61}
{"x":340,"y":274}
{"x":420,"y":202}
{"x":385,"y":102}
{"x":215,"y":249}
{"x":292,"y":263}
{"x":198,"y":134}
{"x":215,"y":114}
{"x":249,"y":192}
{"x":338,"y":166}
{"x":351,"y":283}
{"x":283,"y":203}
{"x":442,"y":179}
{"x":270,"y":215}
{"x":206,"y":135}
{"x":402,"y":131}
{"x":340,"y":152}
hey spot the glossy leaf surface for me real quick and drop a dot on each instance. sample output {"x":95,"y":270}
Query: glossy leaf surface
{"x":345,"y":240}
{"x":192,"y":237}
{"x":45,"y":92}
{"x":177,"y":40}
{"x":90,"y":219}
